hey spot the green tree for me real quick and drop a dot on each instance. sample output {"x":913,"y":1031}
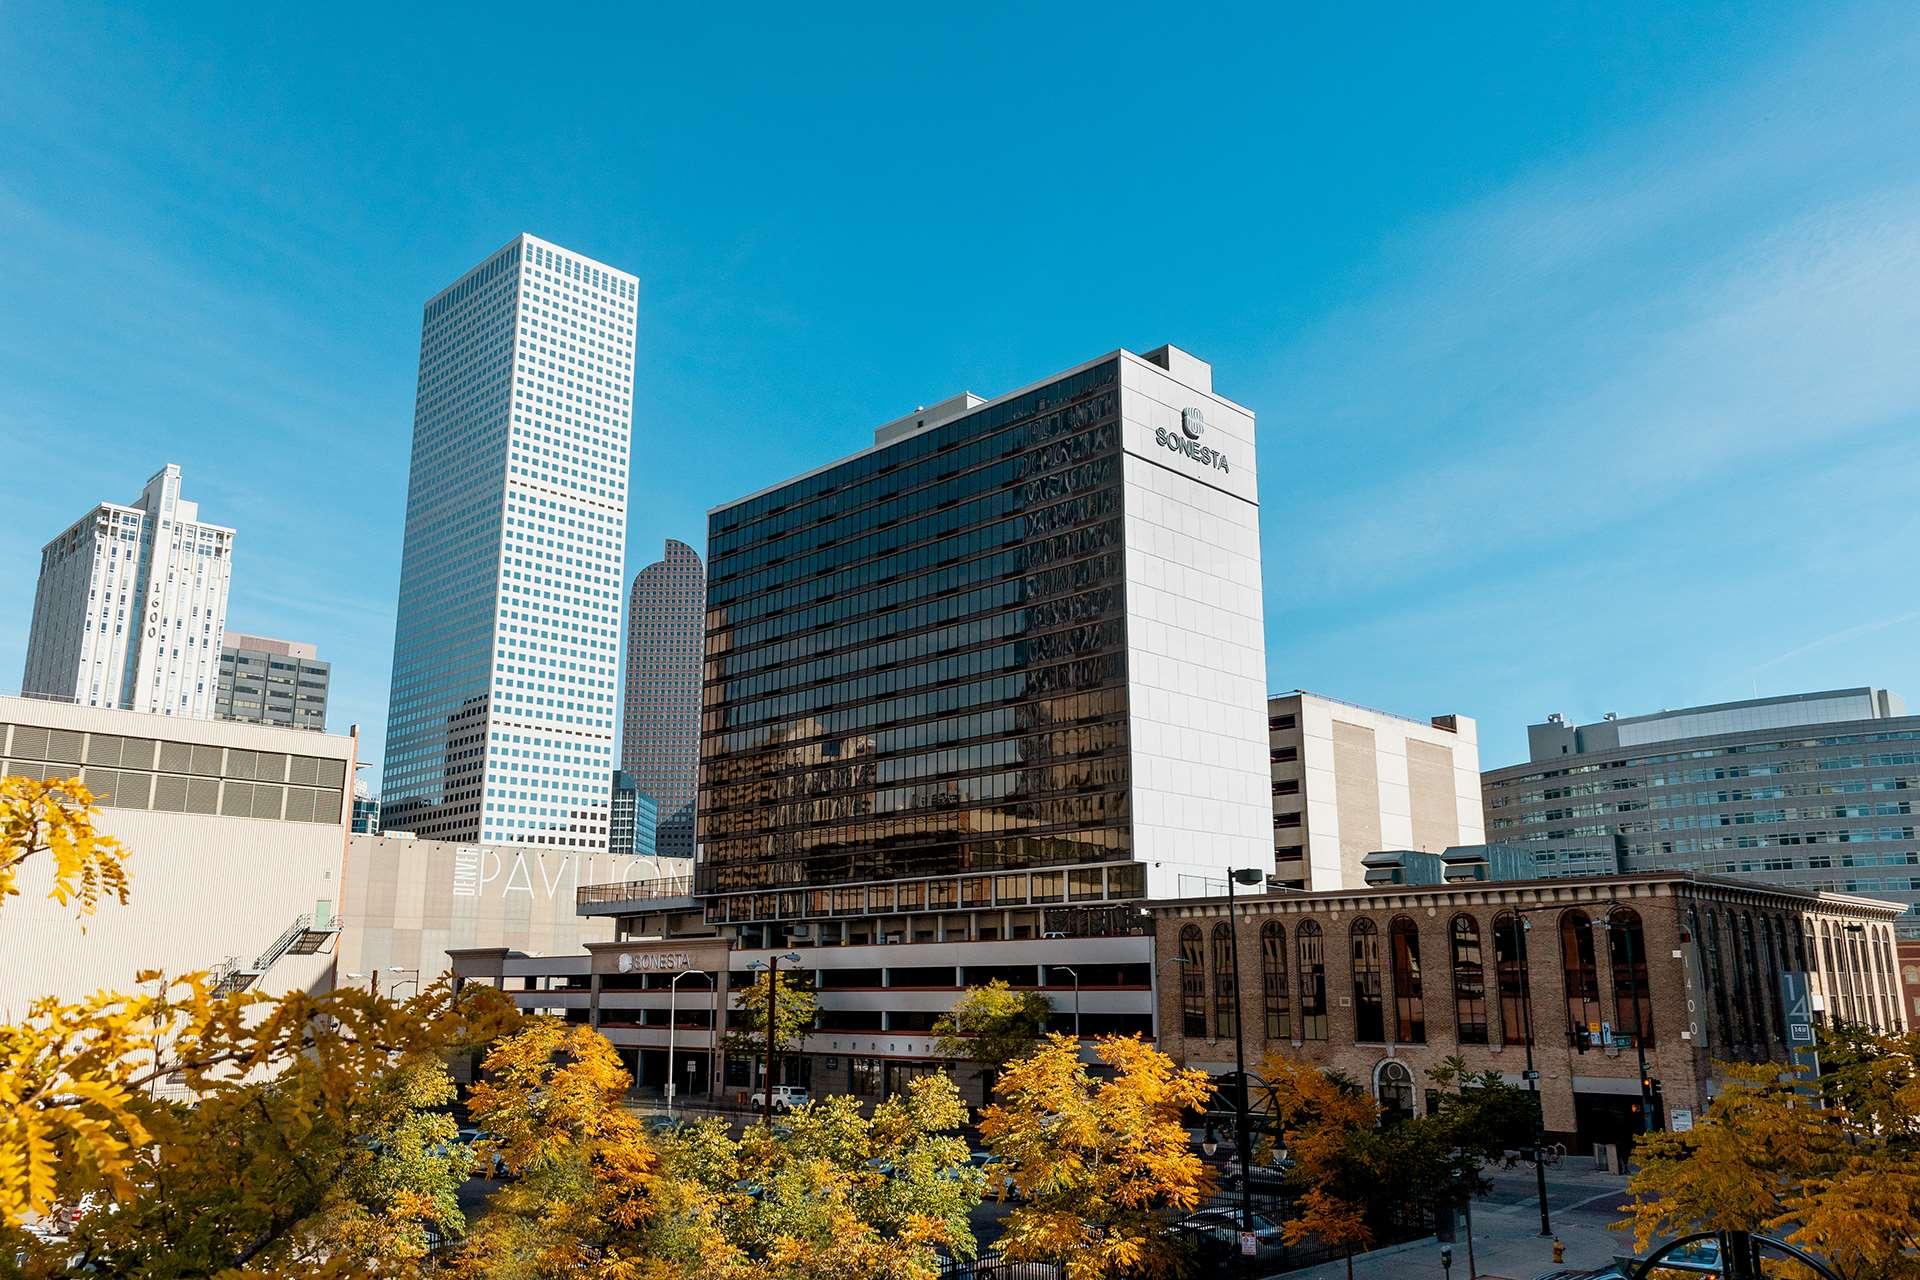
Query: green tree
{"x":793,"y":1013}
{"x":1103,"y":1163}
{"x":992,"y":1025}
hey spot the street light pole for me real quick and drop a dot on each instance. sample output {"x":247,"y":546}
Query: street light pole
{"x":1063,"y":968}
{"x":1248,"y":876}
{"x":1520,"y":930}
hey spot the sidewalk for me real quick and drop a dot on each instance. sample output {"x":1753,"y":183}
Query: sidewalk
{"x":1506,"y":1231}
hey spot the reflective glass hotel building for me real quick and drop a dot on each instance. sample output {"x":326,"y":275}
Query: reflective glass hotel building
{"x":1010,"y":656}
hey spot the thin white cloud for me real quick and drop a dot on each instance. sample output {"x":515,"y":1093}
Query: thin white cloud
{"x":1724,"y":291}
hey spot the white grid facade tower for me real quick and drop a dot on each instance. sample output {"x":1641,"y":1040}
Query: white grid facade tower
{"x":507,"y":639}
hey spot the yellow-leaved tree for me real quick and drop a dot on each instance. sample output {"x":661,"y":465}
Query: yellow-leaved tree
{"x":1834,"y":1162}
{"x":831,"y":1194}
{"x":52,"y":820}
{"x":174,"y":1131}
{"x":1103,"y":1164}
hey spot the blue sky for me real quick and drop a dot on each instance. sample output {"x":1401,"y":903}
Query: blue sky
{"x":1583,"y":339}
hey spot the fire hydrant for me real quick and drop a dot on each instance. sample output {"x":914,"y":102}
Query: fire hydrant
{"x":1559,"y":1249}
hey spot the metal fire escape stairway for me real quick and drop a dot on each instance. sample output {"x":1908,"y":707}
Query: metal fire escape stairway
{"x":301,"y":938}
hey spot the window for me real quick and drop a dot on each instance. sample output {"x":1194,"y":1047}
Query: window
{"x":1226,"y":987}
{"x":1193,"y":984}
{"x":1582,"y":975}
{"x":1510,"y":966}
{"x":1409,"y":1004}
{"x":1369,"y":1009}
{"x":1632,"y":998}
{"x":1273,"y":980}
{"x":1469,"y":983}
{"x":1313,"y":981}
{"x":1393,"y":1085}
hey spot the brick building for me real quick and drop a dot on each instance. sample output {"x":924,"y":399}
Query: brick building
{"x":1385,"y":982}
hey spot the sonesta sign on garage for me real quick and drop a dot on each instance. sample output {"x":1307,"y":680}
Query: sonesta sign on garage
{"x":1193,"y":424}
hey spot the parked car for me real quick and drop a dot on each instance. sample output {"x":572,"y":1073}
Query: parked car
{"x":785,"y":1097}
{"x":1215,"y":1233}
{"x":1701,"y":1258}
{"x":998,"y":1180}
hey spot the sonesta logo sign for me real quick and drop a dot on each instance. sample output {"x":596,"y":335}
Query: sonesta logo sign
{"x":1193,"y":424}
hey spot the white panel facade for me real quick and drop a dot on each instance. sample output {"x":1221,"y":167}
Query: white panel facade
{"x":1196,"y":649}
{"x":131,"y":606}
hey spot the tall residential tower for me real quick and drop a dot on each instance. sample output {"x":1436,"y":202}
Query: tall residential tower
{"x":660,"y":736}
{"x":132,"y":605}
{"x":506,"y":645}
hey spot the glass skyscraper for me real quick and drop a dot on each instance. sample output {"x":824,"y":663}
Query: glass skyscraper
{"x":506,"y":645}
{"x":1010,"y":655}
{"x":660,"y":733}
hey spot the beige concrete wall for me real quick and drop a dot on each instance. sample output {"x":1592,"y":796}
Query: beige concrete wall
{"x":1435,"y":807}
{"x":1356,"y":791}
{"x":409,"y":902}
{"x":204,"y":886}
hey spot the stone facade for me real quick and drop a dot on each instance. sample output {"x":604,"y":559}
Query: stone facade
{"x":1712,"y":950}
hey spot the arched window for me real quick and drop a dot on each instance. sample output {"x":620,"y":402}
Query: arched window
{"x":1273,"y":980}
{"x":1756,"y":977}
{"x":1510,"y":966}
{"x":1469,"y":983}
{"x":1717,"y":979}
{"x":1774,"y":943}
{"x":1393,"y":1085}
{"x":1369,"y":1001}
{"x":1582,"y":978}
{"x":1226,"y":985}
{"x":1193,"y":983}
{"x":1409,"y":1002}
{"x":1830,"y":977}
{"x":1313,"y":980}
{"x":1632,"y":997}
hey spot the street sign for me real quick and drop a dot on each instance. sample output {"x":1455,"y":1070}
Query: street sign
{"x":1622,"y":1040}
{"x":1249,"y":1246}
{"x":1799,"y":1007}
{"x":1529,"y":1075}
{"x":1680,"y":1120}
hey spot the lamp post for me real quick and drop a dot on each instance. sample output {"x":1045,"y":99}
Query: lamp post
{"x":1247,"y":876}
{"x":1521,"y":928}
{"x":1605,"y":926}
{"x":772,"y":965}
{"x":673,"y":1022}
{"x":1069,"y":969}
